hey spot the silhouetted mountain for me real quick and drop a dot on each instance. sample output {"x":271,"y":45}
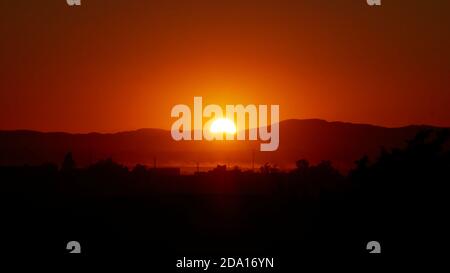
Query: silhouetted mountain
{"x":155,"y":212}
{"x":312,"y":139}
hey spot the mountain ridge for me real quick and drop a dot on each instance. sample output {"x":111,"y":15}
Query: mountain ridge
{"x":143,"y":129}
{"x":312,"y":139}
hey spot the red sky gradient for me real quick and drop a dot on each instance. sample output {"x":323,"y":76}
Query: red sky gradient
{"x":120,"y":65}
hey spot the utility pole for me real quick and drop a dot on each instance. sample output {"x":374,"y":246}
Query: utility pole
{"x":253,"y":160}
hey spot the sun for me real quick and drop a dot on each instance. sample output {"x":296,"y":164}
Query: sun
{"x":223,"y":125}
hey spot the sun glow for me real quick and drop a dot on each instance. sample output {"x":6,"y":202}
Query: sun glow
{"x":223,"y":125}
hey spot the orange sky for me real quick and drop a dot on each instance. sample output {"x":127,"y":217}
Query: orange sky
{"x":120,"y":65}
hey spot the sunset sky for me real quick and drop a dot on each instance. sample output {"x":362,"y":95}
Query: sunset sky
{"x":120,"y":65}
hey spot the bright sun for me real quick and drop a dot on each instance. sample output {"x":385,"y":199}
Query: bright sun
{"x":223,"y":125}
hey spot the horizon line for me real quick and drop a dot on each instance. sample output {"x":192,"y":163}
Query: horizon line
{"x":168,"y":130}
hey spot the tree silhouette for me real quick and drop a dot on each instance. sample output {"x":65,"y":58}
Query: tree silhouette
{"x":68,"y":164}
{"x":302,"y":165}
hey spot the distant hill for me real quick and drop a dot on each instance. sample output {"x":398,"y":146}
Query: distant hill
{"x":312,"y":139}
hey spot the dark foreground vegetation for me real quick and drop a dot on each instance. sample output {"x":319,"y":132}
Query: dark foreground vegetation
{"x":397,"y":199}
